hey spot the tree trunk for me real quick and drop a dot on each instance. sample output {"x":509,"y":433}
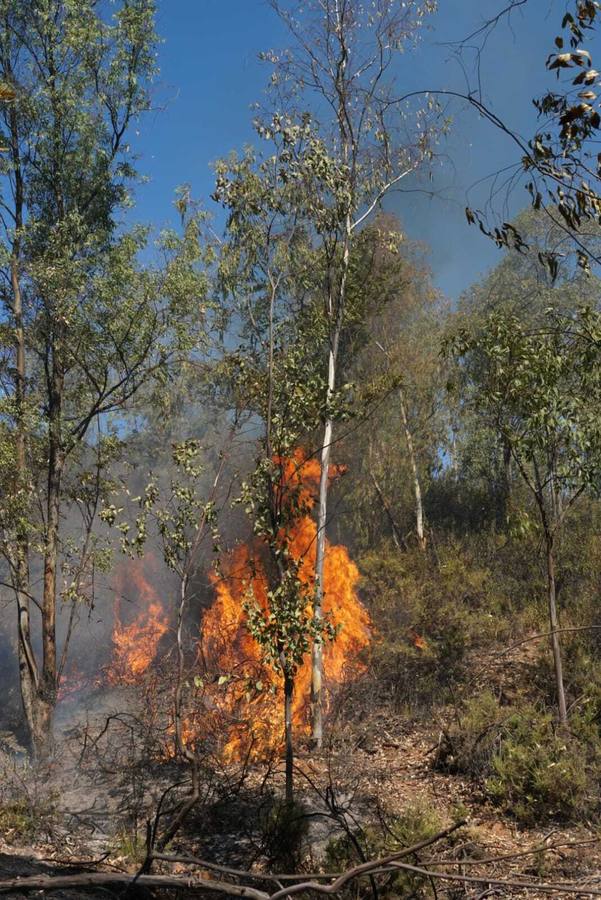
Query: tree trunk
{"x":417,"y":491}
{"x":320,"y":555}
{"x":288,"y":693}
{"x":43,"y":741}
{"x":506,"y":499}
{"x":28,"y":668}
{"x":335,"y":312}
{"x":555,"y":645}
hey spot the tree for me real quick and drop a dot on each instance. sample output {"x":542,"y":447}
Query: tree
{"x":520,"y":285}
{"x":181,"y":515}
{"x":539,"y":388}
{"x":265,"y":269}
{"x":84,"y":326}
{"x":559,"y":166}
{"x":403,"y":358}
{"x":340,"y":65}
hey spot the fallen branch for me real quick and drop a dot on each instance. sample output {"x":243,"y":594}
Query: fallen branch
{"x":385,"y":866}
{"x":117,"y":879}
{"x":320,"y":876}
{"x":546,"y":634}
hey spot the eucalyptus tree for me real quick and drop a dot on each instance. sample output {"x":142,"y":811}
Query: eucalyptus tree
{"x":266,"y":274}
{"x":399,"y":369}
{"x":84,"y":326}
{"x":520,"y":285}
{"x":539,"y":386}
{"x":559,"y":165}
{"x":341,"y":65}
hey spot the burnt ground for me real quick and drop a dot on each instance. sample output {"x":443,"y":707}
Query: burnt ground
{"x":20,"y":865}
{"x":378,"y":765}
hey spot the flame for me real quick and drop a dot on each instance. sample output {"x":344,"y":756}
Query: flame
{"x":248,"y":701}
{"x":419,"y":642}
{"x":135,"y":645}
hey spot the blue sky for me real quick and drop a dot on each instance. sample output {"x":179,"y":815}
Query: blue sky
{"x":210,"y":76}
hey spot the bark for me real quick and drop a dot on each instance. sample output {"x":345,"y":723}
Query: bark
{"x":417,"y":491}
{"x":43,"y":737}
{"x":554,"y":629}
{"x":320,"y":552}
{"x":28,"y":668}
{"x":507,"y":482}
{"x":186,"y":883}
{"x":288,"y":726}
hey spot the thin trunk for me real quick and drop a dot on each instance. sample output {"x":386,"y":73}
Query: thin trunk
{"x":28,"y":669}
{"x":48,"y":686}
{"x":417,"y":491}
{"x":335,"y":312}
{"x":507,"y":481}
{"x":288,"y":694}
{"x":320,"y":554}
{"x":397,"y":537}
{"x":554,"y":628}
{"x":181,"y":747}
{"x":320,"y":551}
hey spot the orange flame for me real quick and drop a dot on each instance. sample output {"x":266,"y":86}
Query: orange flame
{"x":419,"y":642}
{"x":135,"y":645}
{"x":249,"y":702}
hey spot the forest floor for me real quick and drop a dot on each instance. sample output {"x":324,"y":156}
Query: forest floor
{"x":377,"y":768}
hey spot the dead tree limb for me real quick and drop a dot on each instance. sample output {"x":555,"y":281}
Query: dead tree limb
{"x":118,"y":879}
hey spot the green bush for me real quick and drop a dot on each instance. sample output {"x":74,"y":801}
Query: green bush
{"x":283,"y":828}
{"x":540,"y":773}
{"x":445,"y":602}
{"x":417,"y":823}
{"x":525,"y":763}
{"x":469,"y":747}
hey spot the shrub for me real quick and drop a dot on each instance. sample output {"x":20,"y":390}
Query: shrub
{"x":470,"y":746}
{"x":524,"y":762}
{"x":409,"y":597}
{"x":542,"y":774}
{"x":417,"y":823}
{"x":27,"y":806}
{"x":283,"y":829}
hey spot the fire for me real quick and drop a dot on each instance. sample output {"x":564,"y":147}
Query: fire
{"x":249,"y":702}
{"x":135,"y":645}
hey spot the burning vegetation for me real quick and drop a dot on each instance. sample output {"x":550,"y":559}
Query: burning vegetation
{"x":237,"y":695}
{"x":247,"y":698}
{"x":135,"y":644}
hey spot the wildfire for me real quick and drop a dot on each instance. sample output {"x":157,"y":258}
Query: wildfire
{"x":135,"y":645}
{"x":249,"y":701}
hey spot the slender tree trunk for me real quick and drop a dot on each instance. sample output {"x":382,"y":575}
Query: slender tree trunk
{"x":320,"y":552}
{"x":28,"y":670}
{"x":417,"y":491}
{"x":507,"y":482}
{"x":43,"y":739}
{"x":289,"y":738}
{"x":320,"y":555}
{"x":555,"y":645}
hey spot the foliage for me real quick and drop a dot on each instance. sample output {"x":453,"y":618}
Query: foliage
{"x":416,"y":823}
{"x":538,"y":389}
{"x":540,"y":774}
{"x":526,"y":765}
{"x":441,"y":612}
{"x":560,"y":162}
{"x":86,"y":326}
{"x":283,"y":829}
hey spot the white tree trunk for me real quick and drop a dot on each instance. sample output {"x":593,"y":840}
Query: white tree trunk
{"x":417,"y":491}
